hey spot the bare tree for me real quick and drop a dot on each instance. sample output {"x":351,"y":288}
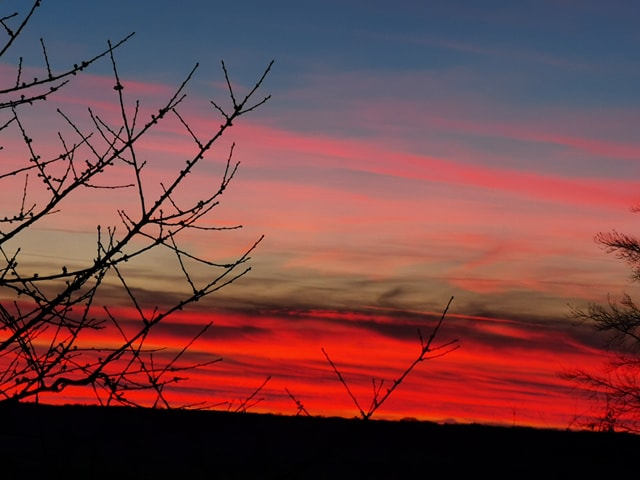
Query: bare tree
{"x":616,"y":390}
{"x":48,"y":319}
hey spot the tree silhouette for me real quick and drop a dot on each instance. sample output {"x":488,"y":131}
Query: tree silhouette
{"x":616,"y":390}
{"x":49,"y":318}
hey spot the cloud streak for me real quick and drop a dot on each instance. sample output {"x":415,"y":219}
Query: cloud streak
{"x":505,"y":367}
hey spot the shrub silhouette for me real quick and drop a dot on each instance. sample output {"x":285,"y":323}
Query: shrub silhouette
{"x":615,"y":391}
{"x":48,"y":318}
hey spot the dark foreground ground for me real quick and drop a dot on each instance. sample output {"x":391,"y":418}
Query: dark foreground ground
{"x":39,"y":441}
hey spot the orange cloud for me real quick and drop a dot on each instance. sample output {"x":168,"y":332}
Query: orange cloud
{"x":504,"y":372}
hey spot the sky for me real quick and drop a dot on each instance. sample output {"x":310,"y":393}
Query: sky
{"x":409,"y":153}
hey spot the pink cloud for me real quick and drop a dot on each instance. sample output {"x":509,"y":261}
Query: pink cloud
{"x":368,"y":157}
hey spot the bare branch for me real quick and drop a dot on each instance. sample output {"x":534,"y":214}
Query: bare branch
{"x":47,"y":317}
{"x":247,"y":402}
{"x":425,"y":350}
{"x":299,"y":405}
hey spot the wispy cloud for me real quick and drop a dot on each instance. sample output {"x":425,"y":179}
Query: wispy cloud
{"x":382,"y":194}
{"x":509,"y":360}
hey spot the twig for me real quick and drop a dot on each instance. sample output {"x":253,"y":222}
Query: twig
{"x":244,"y":405}
{"x":298,"y":403}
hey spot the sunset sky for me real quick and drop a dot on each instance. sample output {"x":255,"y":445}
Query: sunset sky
{"x":411,"y":151}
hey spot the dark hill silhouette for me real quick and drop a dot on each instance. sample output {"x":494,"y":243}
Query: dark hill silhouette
{"x":42,"y":441}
